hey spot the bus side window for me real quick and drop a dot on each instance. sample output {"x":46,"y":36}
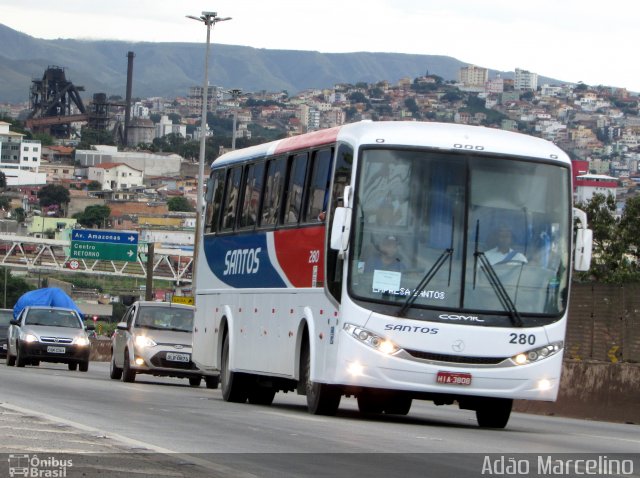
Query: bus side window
{"x":274,"y":186}
{"x":230,"y":208}
{"x":295,"y":188}
{"x":252,"y":194}
{"x":319,"y":186}
{"x":215,"y":189}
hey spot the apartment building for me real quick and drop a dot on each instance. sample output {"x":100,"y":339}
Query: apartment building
{"x":525,"y":80}
{"x":19,"y":158}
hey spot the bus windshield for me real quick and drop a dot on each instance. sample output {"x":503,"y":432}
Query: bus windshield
{"x":463,"y":232}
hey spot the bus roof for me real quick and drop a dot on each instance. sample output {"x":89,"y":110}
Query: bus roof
{"x":445,"y":136}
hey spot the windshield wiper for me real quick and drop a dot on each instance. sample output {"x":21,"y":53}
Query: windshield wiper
{"x":494,"y":280}
{"x":446,"y":254}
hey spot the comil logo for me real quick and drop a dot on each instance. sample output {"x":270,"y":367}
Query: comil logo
{"x":464,"y":318}
{"x":34,"y":466}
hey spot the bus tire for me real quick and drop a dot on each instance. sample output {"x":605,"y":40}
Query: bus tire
{"x":322,"y":399}
{"x":399,"y":404}
{"x":369,"y":404}
{"x":493,"y":412}
{"x":261,"y":395}
{"x":234,"y":386}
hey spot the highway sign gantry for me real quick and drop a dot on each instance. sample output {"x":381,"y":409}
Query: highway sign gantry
{"x":104,"y":245}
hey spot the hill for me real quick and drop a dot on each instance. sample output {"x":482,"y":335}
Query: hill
{"x":169,"y":69}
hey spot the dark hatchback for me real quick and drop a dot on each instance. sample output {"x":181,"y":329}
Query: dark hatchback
{"x":5,"y":317}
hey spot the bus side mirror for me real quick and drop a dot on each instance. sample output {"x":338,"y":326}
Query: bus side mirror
{"x":584,"y":245}
{"x":341,"y":229}
{"x":584,"y":242}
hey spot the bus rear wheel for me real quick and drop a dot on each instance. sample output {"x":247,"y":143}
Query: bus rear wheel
{"x":234,"y":386}
{"x":259,"y":395}
{"x":493,"y":412}
{"x":322,"y":399}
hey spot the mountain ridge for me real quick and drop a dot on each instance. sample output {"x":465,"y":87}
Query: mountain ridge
{"x":169,"y":69}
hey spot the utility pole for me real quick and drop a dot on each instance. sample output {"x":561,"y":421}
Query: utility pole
{"x":235,"y":94}
{"x":148,"y":293}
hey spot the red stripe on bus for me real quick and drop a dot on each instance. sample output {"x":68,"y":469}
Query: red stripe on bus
{"x":299,"y":251}
{"x":308,"y":140}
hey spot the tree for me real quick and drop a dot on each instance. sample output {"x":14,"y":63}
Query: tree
{"x":5,"y":202}
{"x":614,"y":243}
{"x":19,"y":214}
{"x":3,"y":180}
{"x":629,"y":228}
{"x":53,"y":194}
{"x":94,"y":186}
{"x":412,"y":106}
{"x":95,"y":215}
{"x":180,"y":203}
{"x":44,"y":138}
{"x":15,"y":287}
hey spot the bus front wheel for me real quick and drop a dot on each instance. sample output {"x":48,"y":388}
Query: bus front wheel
{"x":493,"y":412}
{"x":322,"y":399}
{"x":234,"y":387}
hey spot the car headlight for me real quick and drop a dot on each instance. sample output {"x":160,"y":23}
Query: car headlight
{"x":81,"y":341}
{"x":144,"y":341}
{"x":372,"y":340}
{"x":537,"y":354}
{"x":29,"y":338}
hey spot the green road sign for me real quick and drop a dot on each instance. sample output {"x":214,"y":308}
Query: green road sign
{"x":105,"y":251}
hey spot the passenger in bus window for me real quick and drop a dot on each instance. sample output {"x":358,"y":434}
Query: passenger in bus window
{"x":387,"y":258}
{"x":503,"y":253}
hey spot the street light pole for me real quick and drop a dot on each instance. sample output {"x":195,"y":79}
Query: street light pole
{"x":209,"y":19}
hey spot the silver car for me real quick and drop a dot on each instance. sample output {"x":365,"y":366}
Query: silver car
{"x":48,"y":334}
{"x":155,"y":338}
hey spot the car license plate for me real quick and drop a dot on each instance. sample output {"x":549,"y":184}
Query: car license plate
{"x":173,"y":357}
{"x":56,"y":350}
{"x":453,"y":378}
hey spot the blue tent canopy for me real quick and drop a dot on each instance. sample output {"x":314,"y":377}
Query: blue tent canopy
{"x":50,"y":296}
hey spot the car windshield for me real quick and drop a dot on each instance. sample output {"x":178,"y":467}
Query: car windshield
{"x":53,"y":318}
{"x":473,"y":233}
{"x":5,"y":316}
{"x":165,"y":318}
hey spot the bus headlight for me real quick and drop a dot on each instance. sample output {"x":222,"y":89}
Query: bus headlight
{"x":374,"y":341}
{"x":537,"y":354}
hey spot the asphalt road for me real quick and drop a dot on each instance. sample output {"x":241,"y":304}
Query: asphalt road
{"x":192,"y":431}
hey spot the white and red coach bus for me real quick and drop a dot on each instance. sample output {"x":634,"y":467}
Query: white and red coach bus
{"x":389,"y":261}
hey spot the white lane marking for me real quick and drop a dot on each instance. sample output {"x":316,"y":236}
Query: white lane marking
{"x":299,"y":417}
{"x":142,"y":446}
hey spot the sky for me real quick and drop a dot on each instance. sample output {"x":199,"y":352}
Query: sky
{"x":571,"y":40}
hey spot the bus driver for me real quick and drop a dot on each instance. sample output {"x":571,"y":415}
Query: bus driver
{"x":503,"y":253}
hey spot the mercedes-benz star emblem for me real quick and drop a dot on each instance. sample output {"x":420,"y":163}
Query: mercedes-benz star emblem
{"x":458,"y":346}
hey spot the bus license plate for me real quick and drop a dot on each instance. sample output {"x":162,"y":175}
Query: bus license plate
{"x":56,"y":350}
{"x":173,"y":357}
{"x":453,"y":378}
